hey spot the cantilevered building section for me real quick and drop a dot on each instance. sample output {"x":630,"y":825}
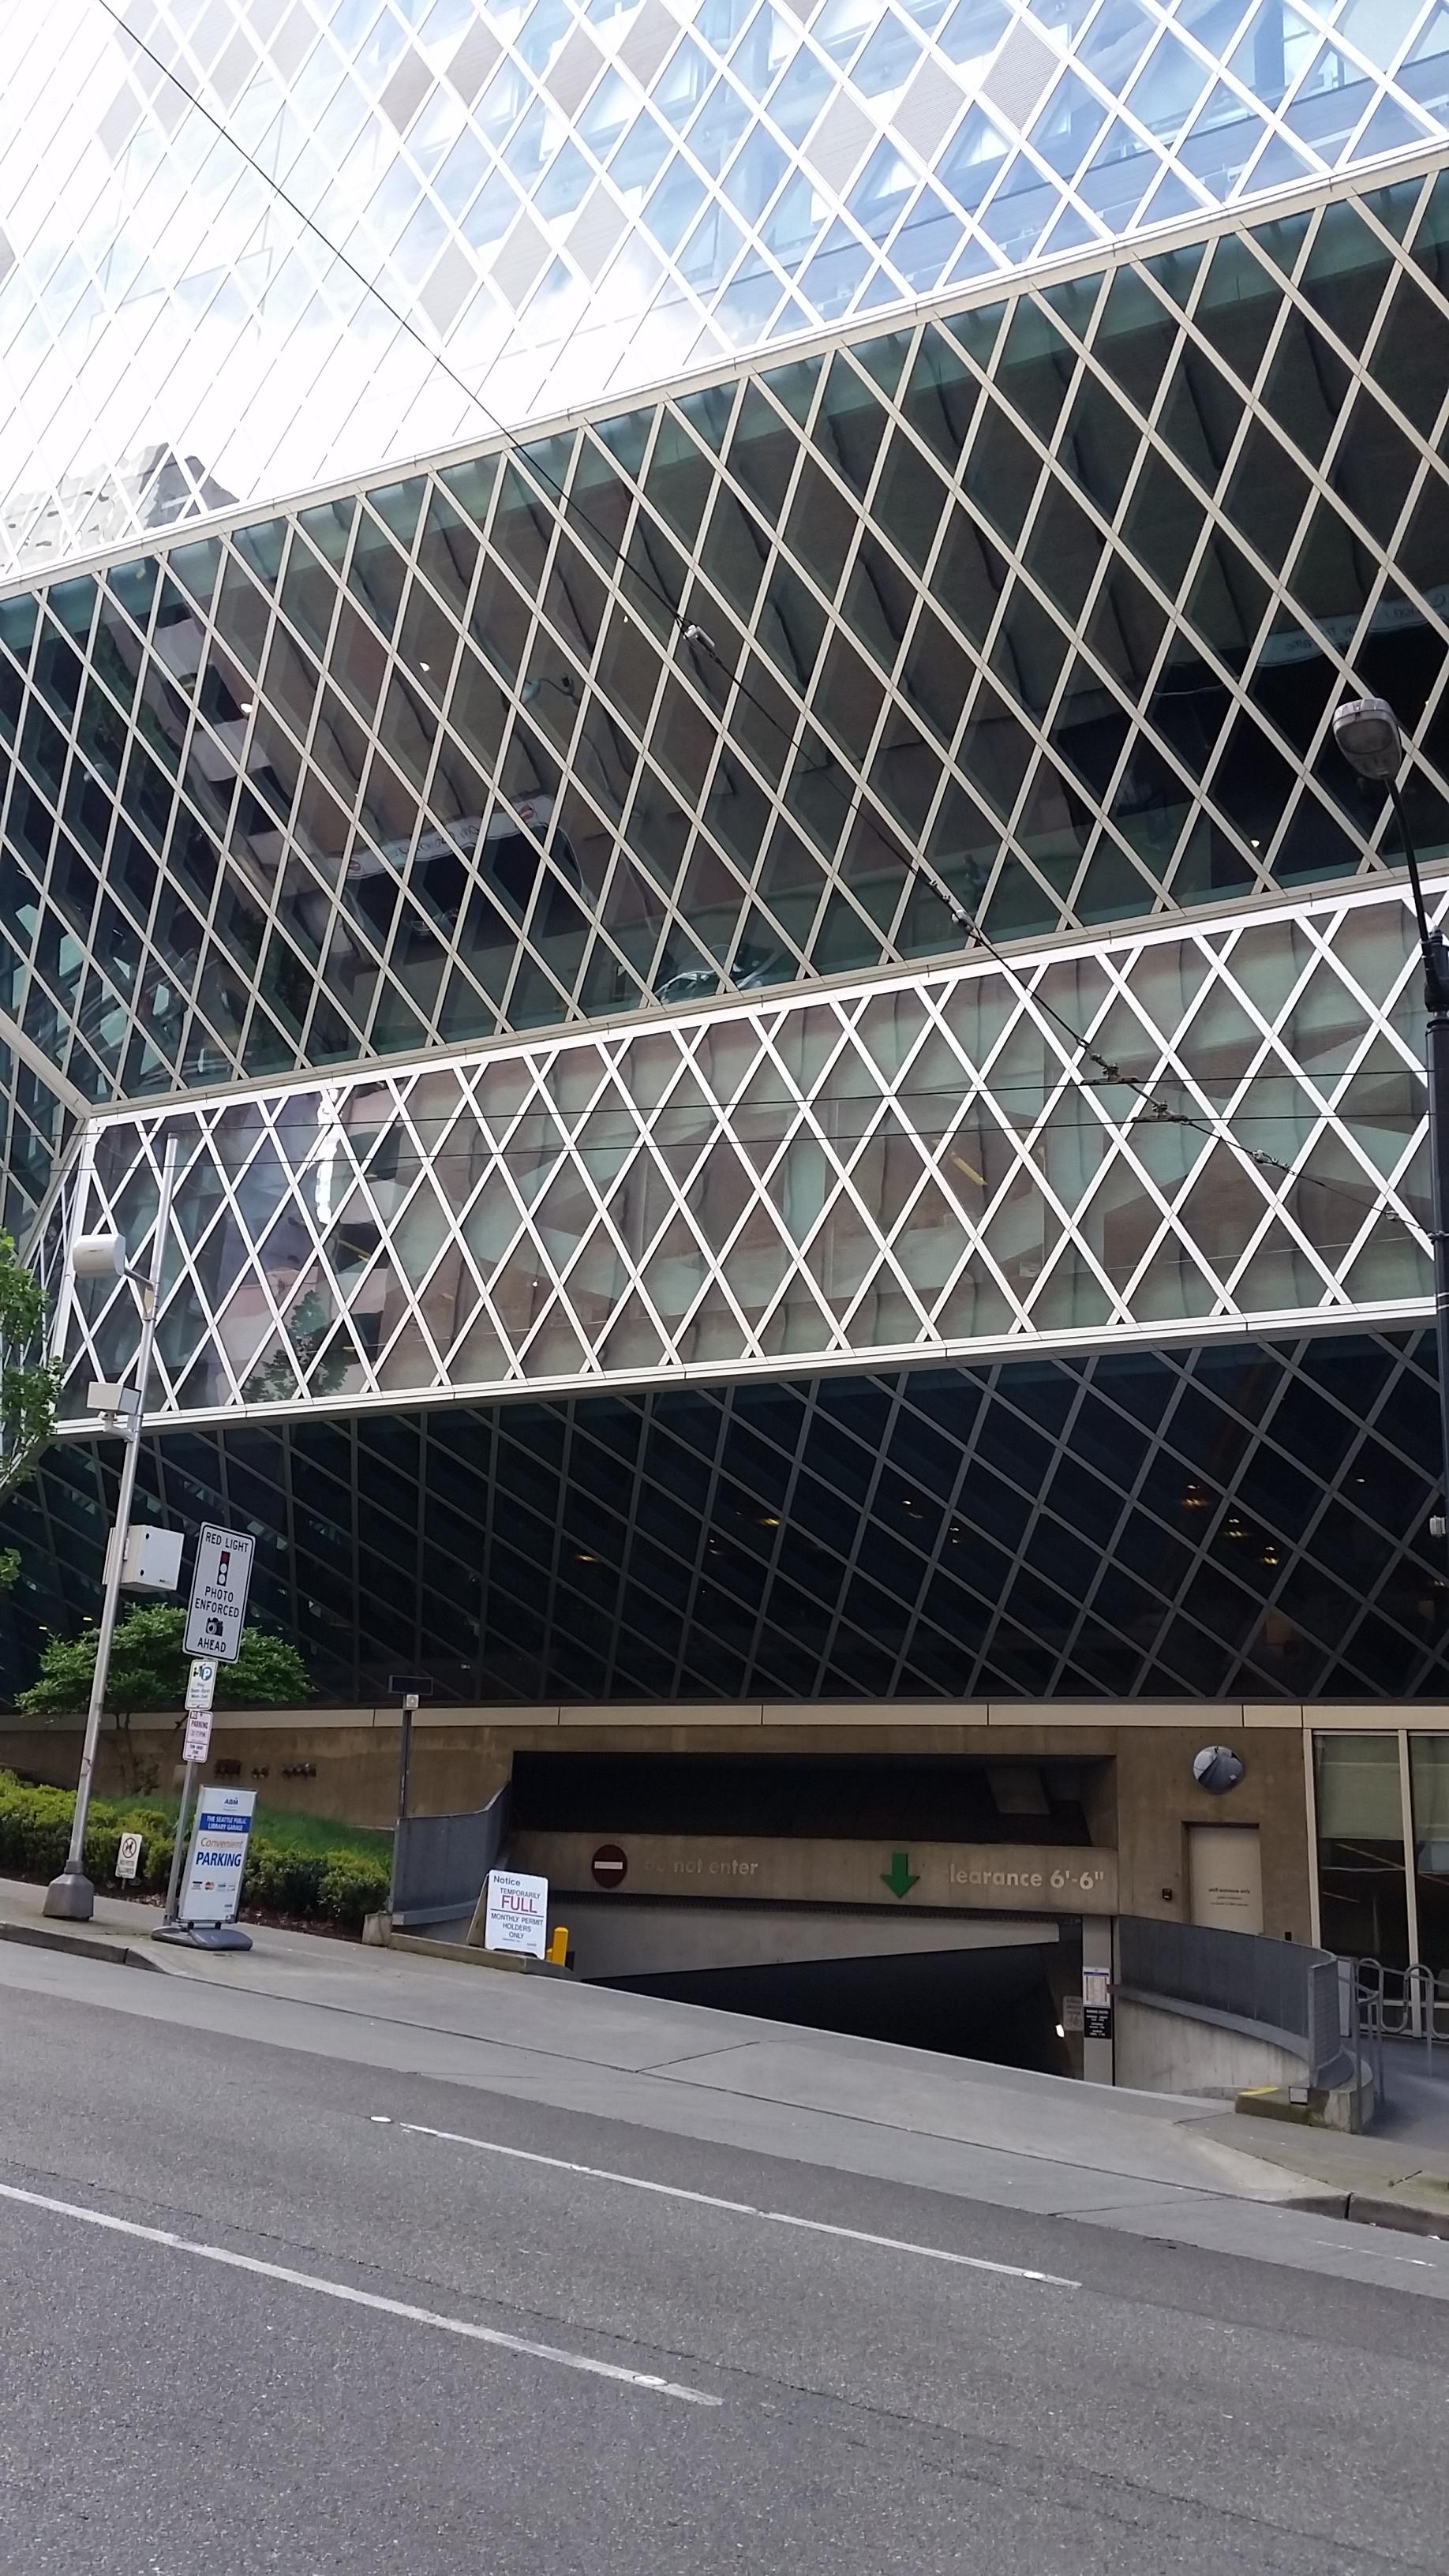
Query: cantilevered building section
{"x":797,"y":1062}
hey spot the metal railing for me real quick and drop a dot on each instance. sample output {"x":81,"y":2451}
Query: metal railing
{"x":1404,"y":2003}
{"x":1302,"y":1999}
{"x":439,"y":1863}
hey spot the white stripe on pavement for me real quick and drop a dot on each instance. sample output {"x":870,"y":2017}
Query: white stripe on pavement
{"x":359,"y":2298}
{"x":736,"y":2208}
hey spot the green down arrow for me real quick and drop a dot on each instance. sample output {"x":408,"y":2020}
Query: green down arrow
{"x":900,"y":1878}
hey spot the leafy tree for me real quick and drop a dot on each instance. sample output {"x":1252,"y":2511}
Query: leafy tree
{"x":28,"y":1384}
{"x":149,"y":1667}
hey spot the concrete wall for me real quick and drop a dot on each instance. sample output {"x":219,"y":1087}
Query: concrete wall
{"x":1142,"y":1802}
{"x":1160,"y":2051}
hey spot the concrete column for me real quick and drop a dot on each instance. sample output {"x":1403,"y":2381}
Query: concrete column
{"x":1097,"y":2054}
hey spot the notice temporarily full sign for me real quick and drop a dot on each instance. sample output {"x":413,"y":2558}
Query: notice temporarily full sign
{"x":218,"y":1605}
{"x":517,"y":1913}
{"x":211,"y":1891}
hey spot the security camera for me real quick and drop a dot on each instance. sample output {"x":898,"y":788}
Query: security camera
{"x":1217,"y":1767}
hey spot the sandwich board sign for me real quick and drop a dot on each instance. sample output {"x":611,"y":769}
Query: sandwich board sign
{"x":218,"y":1605}
{"x":517,"y":1917}
{"x":211,"y":1889}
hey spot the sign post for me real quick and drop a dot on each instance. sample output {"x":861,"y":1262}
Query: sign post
{"x":410,"y":1688}
{"x":178,"y":1924}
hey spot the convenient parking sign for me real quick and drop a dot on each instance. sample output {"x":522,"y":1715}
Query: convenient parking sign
{"x":212,"y":1889}
{"x":218,"y":1604}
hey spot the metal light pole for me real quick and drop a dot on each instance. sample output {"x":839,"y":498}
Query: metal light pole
{"x":98,"y":1256}
{"x":1367,"y":733}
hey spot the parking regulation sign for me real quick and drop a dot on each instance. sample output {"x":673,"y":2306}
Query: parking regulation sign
{"x":211,"y":1891}
{"x":218,"y":1604}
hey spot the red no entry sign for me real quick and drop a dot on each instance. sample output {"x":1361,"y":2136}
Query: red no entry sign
{"x":609,"y":1865}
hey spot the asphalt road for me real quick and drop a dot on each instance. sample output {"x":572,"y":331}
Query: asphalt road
{"x":314,"y":2345}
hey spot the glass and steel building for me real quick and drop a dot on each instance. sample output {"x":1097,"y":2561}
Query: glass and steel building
{"x":666,"y":683}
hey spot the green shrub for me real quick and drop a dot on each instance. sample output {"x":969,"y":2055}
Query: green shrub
{"x":337,"y":1886}
{"x":352,"y":1886}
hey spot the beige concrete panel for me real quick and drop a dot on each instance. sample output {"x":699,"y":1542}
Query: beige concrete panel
{"x":391,"y":1715}
{"x":1213,"y":1714}
{"x":1158,"y":1798}
{"x":668,"y":1713}
{"x":997,"y":1878}
{"x":1273,"y":1712}
{"x":1373,"y":1716}
{"x":948,"y":1714}
{"x":614,"y":1937}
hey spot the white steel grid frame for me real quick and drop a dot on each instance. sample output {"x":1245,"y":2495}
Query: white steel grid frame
{"x":570,"y":197}
{"x":908,"y":1169}
{"x":1131,"y":1524}
{"x":246,"y":712}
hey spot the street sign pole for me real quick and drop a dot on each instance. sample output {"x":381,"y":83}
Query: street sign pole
{"x":173,"y":1883}
{"x":71,"y":1896}
{"x":200,"y":1692}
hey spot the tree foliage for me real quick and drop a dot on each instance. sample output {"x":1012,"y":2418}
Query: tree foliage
{"x":149,"y":1666}
{"x":28,"y":1384}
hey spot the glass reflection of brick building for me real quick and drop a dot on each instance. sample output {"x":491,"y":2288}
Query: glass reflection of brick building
{"x":633,"y":1243}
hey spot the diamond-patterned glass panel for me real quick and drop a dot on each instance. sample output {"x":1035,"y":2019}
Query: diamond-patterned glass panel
{"x":1246,"y":1521}
{"x":1040,"y":604}
{"x":213,"y":219}
{"x":910,"y":1167}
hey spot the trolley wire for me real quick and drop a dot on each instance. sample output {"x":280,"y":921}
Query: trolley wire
{"x":1110,"y":1072}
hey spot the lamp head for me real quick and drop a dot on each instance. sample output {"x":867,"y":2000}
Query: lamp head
{"x":1366,"y":731}
{"x":98,"y":1256}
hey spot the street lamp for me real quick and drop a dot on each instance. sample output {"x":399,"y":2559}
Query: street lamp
{"x":1367,"y":733}
{"x":103,"y":1256}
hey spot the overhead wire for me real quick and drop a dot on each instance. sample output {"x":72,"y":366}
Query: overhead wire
{"x":1111,"y":1074}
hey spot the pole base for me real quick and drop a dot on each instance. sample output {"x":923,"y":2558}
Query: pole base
{"x":203,"y":1936}
{"x":70,"y":1898}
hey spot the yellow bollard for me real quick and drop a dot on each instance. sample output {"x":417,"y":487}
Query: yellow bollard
{"x":558,"y":1948}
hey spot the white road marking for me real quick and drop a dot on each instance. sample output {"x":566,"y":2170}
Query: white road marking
{"x":359,"y":2298}
{"x":1377,"y":2253}
{"x":736,"y":2208}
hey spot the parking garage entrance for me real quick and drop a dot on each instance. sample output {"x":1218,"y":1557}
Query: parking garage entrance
{"x":923,"y":1899}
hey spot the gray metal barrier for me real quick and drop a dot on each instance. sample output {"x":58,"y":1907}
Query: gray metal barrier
{"x":439,"y":1863}
{"x":1304,"y":1999}
{"x":1405,"y":2003}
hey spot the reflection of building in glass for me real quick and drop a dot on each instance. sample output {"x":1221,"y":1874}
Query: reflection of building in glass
{"x":570,"y":199}
{"x":799,"y":1065}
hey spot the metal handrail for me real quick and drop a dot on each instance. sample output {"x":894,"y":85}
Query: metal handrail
{"x":1404,"y":2003}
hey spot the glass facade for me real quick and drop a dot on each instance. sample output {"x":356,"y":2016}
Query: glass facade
{"x":1372,"y":1905}
{"x":1244,"y":1522}
{"x":1045,"y":601}
{"x":799,"y":919}
{"x":213,"y":216}
{"x":1361,"y":1847}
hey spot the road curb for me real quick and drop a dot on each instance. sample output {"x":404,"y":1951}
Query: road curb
{"x":79,"y":1945}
